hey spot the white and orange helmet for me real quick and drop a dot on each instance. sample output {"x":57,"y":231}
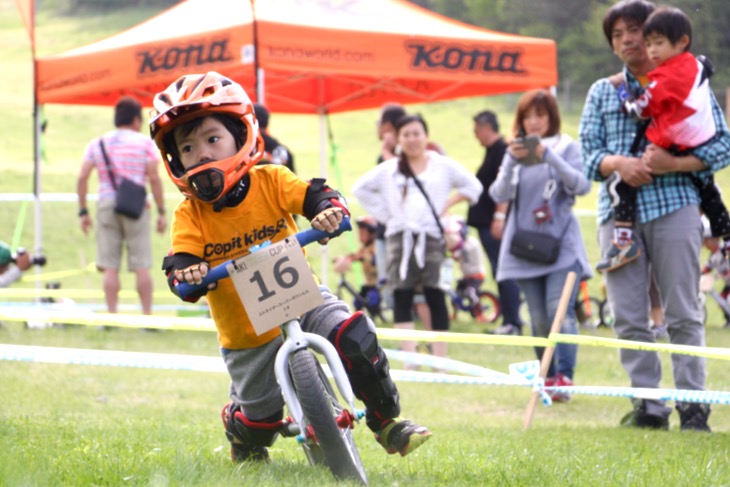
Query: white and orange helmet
{"x":191,"y":97}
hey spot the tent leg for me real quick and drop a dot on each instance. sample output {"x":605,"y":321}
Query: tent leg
{"x":38,"y":215}
{"x":323,"y":174}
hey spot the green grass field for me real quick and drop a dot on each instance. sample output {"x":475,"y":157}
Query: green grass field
{"x":94,"y":425}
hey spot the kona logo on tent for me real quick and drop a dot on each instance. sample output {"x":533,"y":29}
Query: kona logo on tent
{"x":174,"y":57}
{"x":455,"y":57}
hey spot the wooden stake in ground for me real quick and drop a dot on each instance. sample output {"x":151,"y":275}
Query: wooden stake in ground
{"x":547,"y":355}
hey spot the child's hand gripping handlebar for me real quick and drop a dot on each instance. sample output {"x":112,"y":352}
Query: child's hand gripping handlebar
{"x":305,"y":237}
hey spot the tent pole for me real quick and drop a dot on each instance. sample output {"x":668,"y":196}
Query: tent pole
{"x":38,"y":215}
{"x":323,"y":174}
{"x":260,"y":93}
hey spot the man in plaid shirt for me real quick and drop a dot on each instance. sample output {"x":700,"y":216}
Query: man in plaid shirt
{"x":668,"y":228}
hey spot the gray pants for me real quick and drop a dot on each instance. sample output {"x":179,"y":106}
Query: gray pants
{"x":670,"y":246}
{"x":253,"y":383}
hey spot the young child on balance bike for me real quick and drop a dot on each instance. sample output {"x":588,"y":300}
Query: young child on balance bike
{"x":207,"y":133}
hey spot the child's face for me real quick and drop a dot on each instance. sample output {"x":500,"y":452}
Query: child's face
{"x":365,"y":236}
{"x":210,"y":141}
{"x":660,"y":49}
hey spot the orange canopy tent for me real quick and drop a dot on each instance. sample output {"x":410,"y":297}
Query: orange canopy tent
{"x":300,"y":56}
{"x":316,"y":56}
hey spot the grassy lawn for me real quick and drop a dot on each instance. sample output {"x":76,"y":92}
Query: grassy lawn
{"x":95,"y":425}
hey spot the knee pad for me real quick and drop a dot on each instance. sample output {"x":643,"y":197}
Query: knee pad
{"x":366,"y":365}
{"x":241,"y":430}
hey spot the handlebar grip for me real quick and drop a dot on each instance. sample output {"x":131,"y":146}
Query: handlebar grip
{"x":215,"y":274}
{"x":310,"y":235}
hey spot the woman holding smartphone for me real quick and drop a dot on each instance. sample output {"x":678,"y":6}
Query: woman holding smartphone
{"x":541,"y":186}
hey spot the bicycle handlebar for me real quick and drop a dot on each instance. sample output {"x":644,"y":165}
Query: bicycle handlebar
{"x":215,"y":274}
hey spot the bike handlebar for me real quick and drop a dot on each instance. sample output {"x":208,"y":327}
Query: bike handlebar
{"x":215,"y":274}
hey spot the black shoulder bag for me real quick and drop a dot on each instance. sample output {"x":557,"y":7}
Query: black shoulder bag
{"x":131,"y":197}
{"x":534,"y":246}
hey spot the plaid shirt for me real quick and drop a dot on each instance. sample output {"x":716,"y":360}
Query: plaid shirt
{"x":606,"y":130}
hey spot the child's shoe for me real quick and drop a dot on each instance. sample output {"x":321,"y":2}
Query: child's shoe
{"x":478,"y":314}
{"x":402,"y":436}
{"x":618,"y":256}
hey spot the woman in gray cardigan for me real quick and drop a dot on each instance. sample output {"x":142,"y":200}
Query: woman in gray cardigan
{"x":542,"y":195}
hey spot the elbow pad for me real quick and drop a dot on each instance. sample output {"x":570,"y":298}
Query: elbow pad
{"x":176,"y":262}
{"x":319,"y":197}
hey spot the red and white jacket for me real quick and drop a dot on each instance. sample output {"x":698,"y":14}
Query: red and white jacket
{"x":678,"y":100}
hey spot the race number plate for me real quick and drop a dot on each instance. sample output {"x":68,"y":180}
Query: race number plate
{"x":275,"y":284}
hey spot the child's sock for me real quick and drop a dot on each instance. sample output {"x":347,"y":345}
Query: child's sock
{"x":622,"y":235}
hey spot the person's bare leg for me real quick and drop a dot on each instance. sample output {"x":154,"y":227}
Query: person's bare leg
{"x":144,"y":289}
{"x":407,"y":345}
{"x":111,"y":289}
{"x":424,"y":314}
{"x":440,"y":349}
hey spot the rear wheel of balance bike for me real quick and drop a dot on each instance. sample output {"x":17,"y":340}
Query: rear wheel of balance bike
{"x":606,"y":313}
{"x":328,"y":442}
{"x":588,"y":314}
{"x":490,"y":306}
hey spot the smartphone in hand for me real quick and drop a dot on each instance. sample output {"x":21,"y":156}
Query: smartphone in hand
{"x":530,"y":142}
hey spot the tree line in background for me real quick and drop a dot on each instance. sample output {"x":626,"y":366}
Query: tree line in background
{"x":576,"y":25}
{"x":583,"y":53}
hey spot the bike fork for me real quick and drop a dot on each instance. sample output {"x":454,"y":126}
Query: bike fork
{"x":296,"y":339}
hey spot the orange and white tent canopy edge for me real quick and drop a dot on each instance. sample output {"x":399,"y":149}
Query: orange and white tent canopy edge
{"x":309,"y":68}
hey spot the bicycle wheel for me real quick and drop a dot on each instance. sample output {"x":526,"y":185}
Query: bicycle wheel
{"x":588,"y":316}
{"x":606,"y":313}
{"x":321,"y":409}
{"x":491,"y":309}
{"x":524,"y":311}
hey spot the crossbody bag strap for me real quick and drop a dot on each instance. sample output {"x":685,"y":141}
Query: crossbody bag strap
{"x":430,"y":205}
{"x":428,"y":200}
{"x":517,"y":208}
{"x":108,"y":164}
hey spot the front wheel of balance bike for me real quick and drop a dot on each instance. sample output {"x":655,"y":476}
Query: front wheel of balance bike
{"x":490,"y":306}
{"x":328,"y":432}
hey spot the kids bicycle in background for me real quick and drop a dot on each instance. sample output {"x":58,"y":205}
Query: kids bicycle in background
{"x":467,"y":252}
{"x":368,"y":297}
{"x":716,"y":267}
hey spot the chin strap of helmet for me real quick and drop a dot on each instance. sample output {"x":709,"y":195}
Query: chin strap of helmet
{"x":235,"y":196}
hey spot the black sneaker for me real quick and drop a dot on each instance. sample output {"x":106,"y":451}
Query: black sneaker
{"x":693,"y":417}
{"x":638,"y":418}
{"x":248,"y":453}
{"x":618,"y":256}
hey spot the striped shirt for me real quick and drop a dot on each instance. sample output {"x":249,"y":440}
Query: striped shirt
{"x":129,"y":154}
{"x":606,"y":130}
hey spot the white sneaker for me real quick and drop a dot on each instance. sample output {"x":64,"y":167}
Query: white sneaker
{"x":508,"y":329}
{"x":660,"y":332}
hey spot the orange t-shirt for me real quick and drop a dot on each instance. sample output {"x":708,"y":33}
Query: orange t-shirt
{"x":274,"y":195}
